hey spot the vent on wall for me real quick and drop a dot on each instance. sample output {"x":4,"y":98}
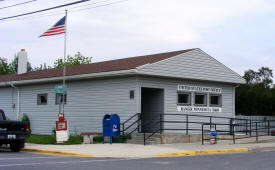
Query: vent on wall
{"x":132,"y":94}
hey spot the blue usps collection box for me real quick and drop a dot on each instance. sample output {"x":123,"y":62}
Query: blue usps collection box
{"x":111,"y":126}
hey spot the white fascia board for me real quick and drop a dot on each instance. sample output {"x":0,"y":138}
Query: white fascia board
{"x":178,"y":77}
{"x":74,"y":77}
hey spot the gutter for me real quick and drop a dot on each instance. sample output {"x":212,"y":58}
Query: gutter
{"x":18,"y":101}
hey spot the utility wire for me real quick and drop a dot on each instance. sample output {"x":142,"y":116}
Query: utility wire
{"x":59,"y":12}
{"x":42,"y":10}
{"x":17,"y":4}
{"x":111,"y":3}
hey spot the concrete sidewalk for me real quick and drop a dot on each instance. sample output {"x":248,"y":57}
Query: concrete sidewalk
{"x":141,"y":151}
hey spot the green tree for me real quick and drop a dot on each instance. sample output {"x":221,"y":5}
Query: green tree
{"x":4,"y":66}
{"x":43,"y":66}
{"x":250,"y":76}
{"x":256,"y":97}
{"x":13,"y":65}
{"x":265,"y":76}
{"x":77,"y":59}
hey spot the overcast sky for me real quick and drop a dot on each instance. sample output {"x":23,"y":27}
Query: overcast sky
{"x":239,"y":33}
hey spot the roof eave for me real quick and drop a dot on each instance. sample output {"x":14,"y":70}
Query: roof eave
{"x":178,"y":77}
{"x":73,"y":77}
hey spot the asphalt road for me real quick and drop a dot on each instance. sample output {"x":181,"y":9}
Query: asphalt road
{"x":240,"y":161}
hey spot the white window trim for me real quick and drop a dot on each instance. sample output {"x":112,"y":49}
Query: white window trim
{"x":220,"y":100}
{"x":203,"y":105}
{"x":184,"y":104}
{"x":39,"y":99}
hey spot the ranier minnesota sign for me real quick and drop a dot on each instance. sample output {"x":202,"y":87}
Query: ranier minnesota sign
{"x":199,"y":109}
{"x":199,"y":89}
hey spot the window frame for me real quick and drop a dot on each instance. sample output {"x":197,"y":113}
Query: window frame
{"x":184,"y":104}
{"x":39,"y":98}
{"x":204,"y":105}
{"x":56,"y":97}
{"x":220,"y":100}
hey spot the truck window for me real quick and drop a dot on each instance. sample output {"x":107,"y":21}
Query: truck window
{"x":1,"y":115}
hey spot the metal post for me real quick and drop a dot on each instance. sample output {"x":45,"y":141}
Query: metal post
{"x":210,"y":120}
{"x":144,"y":138}
{"x":187,"y":124}
{"x":123,"y":129}
{"x":268,"y":128}
{"x":250,"y":127}
{"x":202,"y":140}
{"x":160,"y":128}
{"x":139,"y":129}
{"x":233,"y":129}
{"x":257,"y":132}
{"x":246,"y":126}
{"x":64,"y":62}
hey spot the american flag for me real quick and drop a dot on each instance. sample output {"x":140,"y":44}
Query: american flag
{"x":58,"y":28}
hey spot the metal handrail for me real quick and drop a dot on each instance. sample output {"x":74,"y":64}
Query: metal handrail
{"x":131,"y":118}
{"x":152,"y":133}
{"x":257,"y":129}
{"x":192,"y":115}
{"x":261,"y":126}
{"x":133,"y":123}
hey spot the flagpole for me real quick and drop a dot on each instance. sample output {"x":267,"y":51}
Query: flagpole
{"x":64,"y":60}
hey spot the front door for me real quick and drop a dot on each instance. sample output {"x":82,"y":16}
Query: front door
{"x":152,"y":106}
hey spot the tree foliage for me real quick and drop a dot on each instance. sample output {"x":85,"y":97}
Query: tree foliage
{"x":4,"y":66}
{"x":264,"y":75}
{"x":77,"y":59}
{"x":43,"y":66}
{"x":11,"y":67}
{"x":257,"y":96}
{"x":14,"y":65}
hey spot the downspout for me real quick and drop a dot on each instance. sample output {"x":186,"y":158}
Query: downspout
{"x":18,"y":101}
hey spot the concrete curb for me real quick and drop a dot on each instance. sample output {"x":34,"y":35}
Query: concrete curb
{"x":57,"y":152}
{"x":202,"y":152}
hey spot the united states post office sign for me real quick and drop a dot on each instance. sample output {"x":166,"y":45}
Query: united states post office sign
{"x":199,"y":89}
{"x":199,"y":109}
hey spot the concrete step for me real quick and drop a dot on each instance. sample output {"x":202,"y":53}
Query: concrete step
{"x":139,"y":139}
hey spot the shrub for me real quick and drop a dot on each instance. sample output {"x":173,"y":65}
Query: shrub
{"x":54,"y":132}
{"x":51,"y":139}
{"x":41,"y":139}
{"x":26,"y":119}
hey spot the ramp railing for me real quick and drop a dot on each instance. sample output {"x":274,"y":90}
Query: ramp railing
{"x":190,"y":123}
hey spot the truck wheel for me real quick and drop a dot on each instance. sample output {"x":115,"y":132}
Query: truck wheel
{"x":17,"y":146}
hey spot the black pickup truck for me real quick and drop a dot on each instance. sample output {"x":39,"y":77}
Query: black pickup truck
{"x":13,"y":133}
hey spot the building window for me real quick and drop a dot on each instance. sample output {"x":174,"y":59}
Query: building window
{"x":59,"y":98}
{"x":184,"y":98}
{"x":42,"y":99}
{"x":200,"y":99}
{"x":132,"y":94}
{"x":215,"y":100}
